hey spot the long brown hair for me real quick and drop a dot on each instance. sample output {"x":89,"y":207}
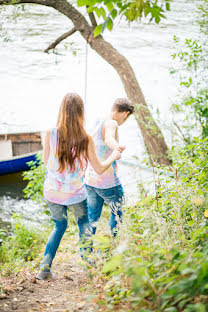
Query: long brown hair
{"x":73,"y":140}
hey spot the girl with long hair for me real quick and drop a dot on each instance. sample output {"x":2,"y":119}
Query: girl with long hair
{"x":66,"y":152}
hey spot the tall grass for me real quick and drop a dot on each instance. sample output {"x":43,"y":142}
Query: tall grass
{"x":23,"y":246}
{"x":160,"y":262}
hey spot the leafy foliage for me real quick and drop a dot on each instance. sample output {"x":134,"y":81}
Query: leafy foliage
{"x":203,"y":13}
{"x":160,"y":261}
{"x":108,"y":10}
{"x":36,"y":176}
{"x":23,"y":246}
{"x":192,"y":110}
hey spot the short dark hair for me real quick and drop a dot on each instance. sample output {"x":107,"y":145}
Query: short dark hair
{"x":123,"y":105}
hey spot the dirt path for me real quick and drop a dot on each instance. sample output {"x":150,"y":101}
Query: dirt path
{"x":71,"y":290}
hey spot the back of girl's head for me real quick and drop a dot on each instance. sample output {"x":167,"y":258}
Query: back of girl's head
{"x":72,"y":108}
{"x":72,"y":139}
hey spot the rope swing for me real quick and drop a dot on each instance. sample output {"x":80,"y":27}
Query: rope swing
{"x":86,"y":67}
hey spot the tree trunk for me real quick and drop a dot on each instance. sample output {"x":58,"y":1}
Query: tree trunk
{"x":152,"y":135}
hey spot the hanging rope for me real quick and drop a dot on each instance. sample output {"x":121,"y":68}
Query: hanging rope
{"x":86,"y":60}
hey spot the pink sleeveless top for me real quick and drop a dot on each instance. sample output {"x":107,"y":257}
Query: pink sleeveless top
{"x":109,"y":178}
{"x":63,"y":188}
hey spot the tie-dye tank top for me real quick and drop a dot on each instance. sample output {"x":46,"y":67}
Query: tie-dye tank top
{"x":109,"y":178}
{"x":63,"y":188}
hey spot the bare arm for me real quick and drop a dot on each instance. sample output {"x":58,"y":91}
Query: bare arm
{"x":111,"y":128}
{"x":46,"y":147}
{"x":97,"y":165}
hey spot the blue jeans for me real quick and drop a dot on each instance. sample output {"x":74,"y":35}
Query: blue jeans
{"x":114,"y":197}
{"x":60,"y":218}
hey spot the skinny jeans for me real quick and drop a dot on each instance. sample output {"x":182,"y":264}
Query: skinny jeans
{"x":60,"y":218}
{"x":113,"y":197}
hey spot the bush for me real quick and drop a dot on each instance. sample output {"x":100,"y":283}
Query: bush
{"x":36,"y":176}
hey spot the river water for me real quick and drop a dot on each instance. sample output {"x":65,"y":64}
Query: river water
{"x":32,"y":83}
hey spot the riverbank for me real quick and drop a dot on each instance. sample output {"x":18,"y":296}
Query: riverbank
{"x":157,"y":262}
{"x":74,"y":288}
{"x":71,"y":290}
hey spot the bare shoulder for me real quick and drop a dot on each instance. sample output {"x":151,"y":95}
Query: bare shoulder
{"x":110,"y":123}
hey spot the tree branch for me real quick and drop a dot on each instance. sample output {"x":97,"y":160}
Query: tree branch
{"x":59,"y":39}
{"x":92,"y":19}
{"x":42,"y":2}
{"x":181,"y":132}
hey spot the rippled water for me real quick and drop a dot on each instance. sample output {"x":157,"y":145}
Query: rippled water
{"x":33,"y":83}
{"x":12,"y":202}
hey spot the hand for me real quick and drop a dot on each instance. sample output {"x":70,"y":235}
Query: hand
{"x":121,"y":148}
{"x":116,"y":153}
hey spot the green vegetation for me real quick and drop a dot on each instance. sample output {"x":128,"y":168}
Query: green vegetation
{"x":159,"y":260}
{"x":191,"y":111}
{"x":160,"y":263}
{"x":108,"y":11}
{"x":20,"y":248}
{"x":36,"y":176}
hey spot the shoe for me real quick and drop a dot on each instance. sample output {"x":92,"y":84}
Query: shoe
{"x":44,"y":275}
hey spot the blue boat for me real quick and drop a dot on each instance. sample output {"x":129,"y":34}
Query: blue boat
{"x":17,"y":149}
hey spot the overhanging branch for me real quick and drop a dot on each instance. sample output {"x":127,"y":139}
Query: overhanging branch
{"x":42,"y":2}
{"x":92,"y":19}
{"x":59,"y":39}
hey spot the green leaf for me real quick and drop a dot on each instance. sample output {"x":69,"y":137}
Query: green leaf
{"x":109,"y":24}
{"x":167,"y":5}
{"x":97,"y":30}
{"x":102,"y":12}
{"x":114,"y":13}
{"x":81,"y":2}
{"x":198,"y":307}
{"x":190,"y":223}
{"x":110,"y":6}
{"x":113,"y":264}
{"x":171,"y":309}
{"x":97,"y":11}
{"x":157,"y":19}
{"x":102,"y":239}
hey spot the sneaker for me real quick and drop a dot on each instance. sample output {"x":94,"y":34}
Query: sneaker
{"x":44,"y":275}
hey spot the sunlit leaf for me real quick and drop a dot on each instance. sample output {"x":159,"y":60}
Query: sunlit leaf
{"x":98,"y":30}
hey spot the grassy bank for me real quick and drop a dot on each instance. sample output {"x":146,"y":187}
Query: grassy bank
{"x":159,"y":261}
{"x":156,"y":266}
{"x":21,"y":248}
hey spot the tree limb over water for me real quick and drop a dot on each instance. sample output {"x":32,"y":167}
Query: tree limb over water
{"x":152,"y":135}
{"x":59,"y":39}
{"x":9,"y":2}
